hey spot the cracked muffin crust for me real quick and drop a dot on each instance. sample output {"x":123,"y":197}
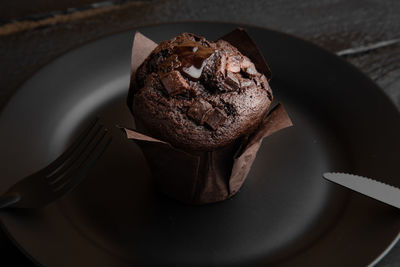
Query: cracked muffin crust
{"x":199,"y":95}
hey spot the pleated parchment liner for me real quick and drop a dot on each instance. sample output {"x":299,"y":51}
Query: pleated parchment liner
{"x":200,"y":177}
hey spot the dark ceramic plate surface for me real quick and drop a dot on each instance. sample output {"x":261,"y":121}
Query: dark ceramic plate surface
{"x":286,"y":214}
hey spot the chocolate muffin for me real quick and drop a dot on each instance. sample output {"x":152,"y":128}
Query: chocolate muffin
{"x":198,"y":95}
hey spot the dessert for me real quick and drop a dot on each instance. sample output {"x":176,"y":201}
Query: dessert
{"x":201,"y":111}
{"x":199,"y":95}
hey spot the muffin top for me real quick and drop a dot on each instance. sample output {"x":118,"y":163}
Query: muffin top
{"x":198,"y":95}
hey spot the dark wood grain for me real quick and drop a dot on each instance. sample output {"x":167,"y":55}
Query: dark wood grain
{"x":17,"y":9}
{"x":336,"y":25}
{"x":383,"y":66}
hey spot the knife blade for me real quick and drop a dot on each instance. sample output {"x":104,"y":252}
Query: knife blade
{"x":367,"y":186}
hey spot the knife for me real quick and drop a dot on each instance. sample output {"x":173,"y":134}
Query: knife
{"x":367,"y":186}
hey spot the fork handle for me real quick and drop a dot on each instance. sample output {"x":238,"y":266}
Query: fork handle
{"x":8,"y":200}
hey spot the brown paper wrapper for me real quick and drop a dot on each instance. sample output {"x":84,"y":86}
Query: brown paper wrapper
{"x":200,"y":177}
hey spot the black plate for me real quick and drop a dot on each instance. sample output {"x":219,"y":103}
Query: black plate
{"x":285,"y":214}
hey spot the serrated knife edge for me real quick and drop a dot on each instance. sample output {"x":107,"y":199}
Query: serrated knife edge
{"x":367,"y":186}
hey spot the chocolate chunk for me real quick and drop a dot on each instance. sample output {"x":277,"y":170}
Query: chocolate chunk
{"x":215,"y":118}
{"x":242,"y":41}
{"x":174,"y":83}
{"x":232,"y":81}
{"x":264,"y":82}
{"x":265,"y":85}
{"x":233,"y":64}
{"x":221,"y":65}
{"x":246,"y":63}
{"x":246,"y":83}
{"x":248,"y":67}
{"x":198,"y":111}
{"x":193,"y":56}
{"x":251,"y":71}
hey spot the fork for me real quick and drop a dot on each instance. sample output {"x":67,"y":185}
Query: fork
{"x":63,"y":174}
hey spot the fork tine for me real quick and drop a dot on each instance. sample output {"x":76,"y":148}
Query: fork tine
{"x":70,"y":150}
{"x":74,"y":156}
{"x":75,"y":163}
{"x":80,"y":172}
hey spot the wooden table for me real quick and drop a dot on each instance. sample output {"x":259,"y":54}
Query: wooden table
{"x":366,"y":33}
